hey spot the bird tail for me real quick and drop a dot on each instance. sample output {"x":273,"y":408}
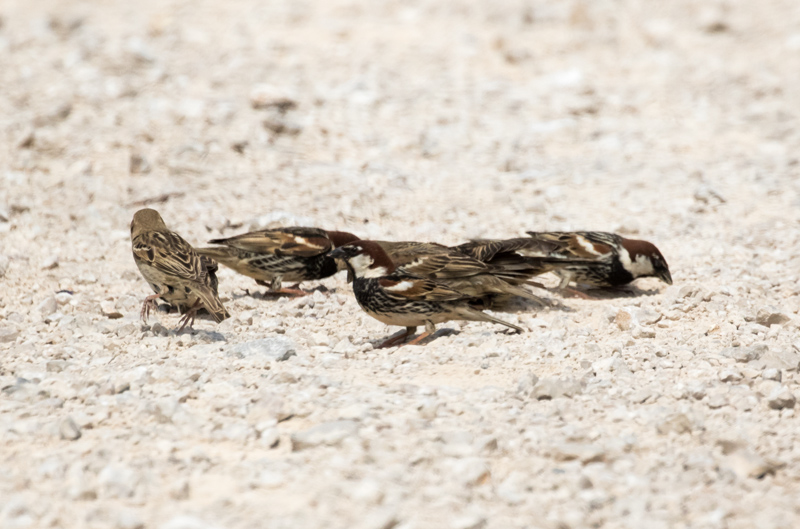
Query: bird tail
{"x":226,"y":256}
{"x":211,"y":303}
{"x":471,"y":314}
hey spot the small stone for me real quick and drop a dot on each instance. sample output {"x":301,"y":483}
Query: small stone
{"x":117,"y":481}
{"x":781,"y":398}
{"x":643,"y":332}
{"x":269,"y":437}
{"x":158,"y":329}
{"x":717,"y":400}
{"x":784,"y":359}
{"x":624,"y":320}
{"x":730,"y":375}
{"x":128,"y":519}
{"x":551,"y":388}
{"x":180,"y":490}
{"x":345,"y":347}
{"x":772,"y":315}
{"x":138,"y":164}
{"x":585,"y":453}
{"x":647,"y":316}
{"x":526,"y":384}
{"x":743,"y":461}
{"x":109,"y":309}
{"x":50,"y":263}
{"x":48,"y":306}
{"x":268,"y":96}
{"x":63,"y":297}
{"x":278,"y":348}
{"x":55,"y":366}
{"x":469,"y":521}
{"x":68,"y":430}
{"x":126,"y":329}
{"x":771,"y":374}
{"x":677,"y":423}
{"x":329,"y":433}
{"x":8,"y":333}
{"x":471,"y":471}
{"x":745,"y":354}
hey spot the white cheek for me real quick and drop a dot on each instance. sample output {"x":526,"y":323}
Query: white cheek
{"x":642,"y":266}
{"x":375,"y":272}
{"x":401,"y":286}
{"x":361,"y":267}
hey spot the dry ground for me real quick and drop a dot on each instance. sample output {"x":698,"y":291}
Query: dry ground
{"x":672,"y":121}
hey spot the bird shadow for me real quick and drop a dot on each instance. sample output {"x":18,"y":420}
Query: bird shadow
{"x":272,"y":296}
{"x":628,"y":291}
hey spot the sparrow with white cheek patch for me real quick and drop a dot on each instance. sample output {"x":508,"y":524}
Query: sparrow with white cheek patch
{"x":457,"y":270}
{"x":175,"y":272}
{"x":612,"y":260}
{"x":395,"y":297}
{"x":292,"y":254}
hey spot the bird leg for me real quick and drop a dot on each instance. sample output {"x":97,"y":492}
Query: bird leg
{"x":419,"y":338}
{"x":276,"y":290}
{"x":188,"y":317}
{"x":430,"y":328}
{"x":293,"y":291}
{"x":148,"y":305}
{"x":397,"y":338}
{"x":574,"y":292}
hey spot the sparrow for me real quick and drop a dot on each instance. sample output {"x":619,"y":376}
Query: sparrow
{"x":172,"y":268}
{"x":517,"y":260}
{"x":610,"y":260}
{"x":293,"y":254}
{"x":395,"y":297}
{"x":458,"y":270}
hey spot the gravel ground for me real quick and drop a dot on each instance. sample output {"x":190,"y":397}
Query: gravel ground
{"x":664,"y":407}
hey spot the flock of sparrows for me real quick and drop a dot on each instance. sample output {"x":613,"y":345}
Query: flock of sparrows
{"x":408,"y":284}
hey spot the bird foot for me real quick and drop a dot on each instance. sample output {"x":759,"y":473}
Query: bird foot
{"x":189,"y":316}
{"x":419,"y":339}
{"x":148,"y":305}
{"x":294,"y":292}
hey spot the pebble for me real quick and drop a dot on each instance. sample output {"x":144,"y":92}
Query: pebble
{"x":730,"y":375}
{"x":330,"y":433}
{"x":48,"y":306}
{"x":117,"y":481}
{"x":585,"y":453}
{"x":68,"y":429}
{"x":780,"y":398}
{"x":551,"y":388}
{"x":771,"y":374}
{"x":277,"y":348}
{"x":109,"y":309}
{"x":676,"y":423}
{"x":745,"y":354}
{"x":772,"y":315}
{"x":8,"y":333}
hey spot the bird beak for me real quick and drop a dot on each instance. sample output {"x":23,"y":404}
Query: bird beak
{"x":337,"y":253}
{"x":666,"y":277}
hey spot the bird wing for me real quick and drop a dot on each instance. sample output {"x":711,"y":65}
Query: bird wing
{"x":284,"y":242}
{"x":584,"y":245}
{"x":407,"y":288}
{"x":432,"y":260}
{"x":169,"y":253}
